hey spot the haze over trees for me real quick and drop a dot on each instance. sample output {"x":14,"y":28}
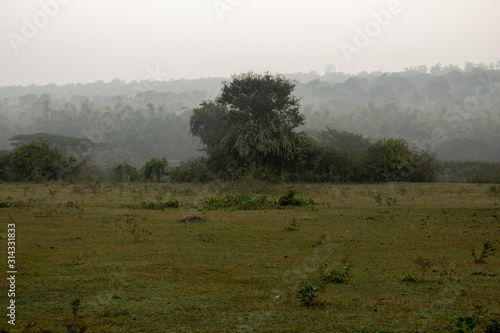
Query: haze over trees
{"x":451,"y":111}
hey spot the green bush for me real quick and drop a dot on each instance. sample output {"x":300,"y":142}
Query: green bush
{"x":307,"y":294}
{"x":236,"y":202}
{"x":193,"y":170}
{"x":39,"y":161}
{"x":289,"y":199}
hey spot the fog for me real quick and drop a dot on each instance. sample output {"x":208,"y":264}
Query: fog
{"x":71,"y":41}
{"x":127,"y":74}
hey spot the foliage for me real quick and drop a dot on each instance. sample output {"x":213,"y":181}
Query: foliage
{"x":494,"y":190}
{"x":336,"y":275}
{"x":289,"y":199}
{"x":251,"y":121}
{"x":154,"y":169}
{"x":330,"y":137}
{"x":408,"y":278}
{"x":486,"y":173}
{"x":75,"y":327}
{"x":424,"y":264}
{"x":124,"y":172}
{"x":4,"y":162}
{"x":194,"y":170}
{"x":134,"y":226}
{"x":424,"y":167}
{"x":39,"y":161}
{"x":172,"y":203}
{"x":488,"y":251}
{"x":254,"y":97}
{"x":63,"y":142}
{"x":235,"y":202}
{"x":480,"y":319}
{"x":388,"y":160}
{"x":308,"y":294}
{"x":210,"y":122}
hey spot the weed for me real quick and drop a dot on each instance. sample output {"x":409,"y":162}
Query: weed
{"x":337,"y":275}
{"x":390,"y":201}
{"x":424,"y":264}
{"x":133,"y":226}
{"x":75,"y":327}
{"x":289,"y":199}
{"x":68,"y":209}
{"x":235,"y":202}
{"x":378,"y":198}
{"x":308,"y":294}
{"x":481,"y":318}
{"x":494,"y":190}
{"x":488,"y":250}
{"x":293,"y":226}
{"x":52,"y":192}
{"x":322,"y":239}
{"x":408,"y":278}
{"x":172,"y":203}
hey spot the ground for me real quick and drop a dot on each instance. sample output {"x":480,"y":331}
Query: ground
{"x":148,"y":270}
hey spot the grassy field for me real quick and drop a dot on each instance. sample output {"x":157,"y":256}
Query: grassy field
{"x":145,"y":270}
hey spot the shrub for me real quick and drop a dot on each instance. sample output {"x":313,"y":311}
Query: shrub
{"x":194,"y":170}
{"x":307,"y":294}
{"x":488,"y":250}
{"x":289,"y":199}
{"x":239,"y":202}
{"x":337,"y":275}
{"x":124,"y":172}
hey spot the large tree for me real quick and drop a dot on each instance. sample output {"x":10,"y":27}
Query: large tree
{"x":251,"y":121}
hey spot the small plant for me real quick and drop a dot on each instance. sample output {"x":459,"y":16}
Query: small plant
{"x":480,"y":319}
{"x":337,"y":275}
{"x":495,"y":190}
{"x":488,"y":250}
{"x":424,"y":264}
{"x":133,"y":226}
{"x":378,"y":198}
{"x":308,"y":294}
{"x":289,"y":199}
{"x":52,"y":192}
{"x":75,"y":327}
{"x":390,"y":201}
{"x":408,"y":278}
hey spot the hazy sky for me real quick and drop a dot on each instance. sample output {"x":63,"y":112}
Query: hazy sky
{"x":69,"y":41}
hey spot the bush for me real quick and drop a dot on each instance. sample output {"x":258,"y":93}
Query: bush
{"x":124,"y":172}
{"x":194,"y":170}
{"x":39,"y":161}
{"x":154,"y":169}
{"x":289,"y":199}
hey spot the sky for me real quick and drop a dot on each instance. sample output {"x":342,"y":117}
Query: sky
{"x":82,"y":41}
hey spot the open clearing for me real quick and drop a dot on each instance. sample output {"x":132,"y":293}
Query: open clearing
{"x":144,"y":270}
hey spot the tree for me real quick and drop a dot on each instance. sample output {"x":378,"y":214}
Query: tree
{"x":331,"y":137}
{"x":124,"y":172}
{"x":154,"y":169}
{"x":4,"y":161}
{"x":388,"y":160}
{"x":254,"y":97}
{"x":251,"y":121}
{"x":39,"y":161}
{"x":63,"y":142}
{"x":424,"y":167}
{"x":210,"y":122}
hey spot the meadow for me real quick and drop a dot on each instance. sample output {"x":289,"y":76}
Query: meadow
{"x":142,"y":257}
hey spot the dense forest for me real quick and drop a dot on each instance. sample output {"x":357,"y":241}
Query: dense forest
{"x":452,"y":111}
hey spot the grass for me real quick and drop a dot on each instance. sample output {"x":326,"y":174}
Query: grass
{"x":241,"y":270}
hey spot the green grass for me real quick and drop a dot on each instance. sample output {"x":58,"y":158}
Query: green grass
{"x":241,"y":270}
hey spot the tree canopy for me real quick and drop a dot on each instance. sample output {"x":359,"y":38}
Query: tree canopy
{"x":251,"y":121}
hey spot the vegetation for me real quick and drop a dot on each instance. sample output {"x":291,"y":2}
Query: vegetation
{"x":141,"y":270}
